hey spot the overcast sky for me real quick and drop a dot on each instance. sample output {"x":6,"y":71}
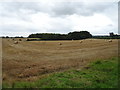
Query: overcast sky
{"x":24,"y":18}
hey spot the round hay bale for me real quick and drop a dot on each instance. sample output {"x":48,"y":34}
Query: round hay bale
{"x":81,"y":41}
{"x":60,"y":43}
{"x":109,"y":40}
{"x":20,"y":39}
{"x":15,"y":42}
{"x":27,"y":39}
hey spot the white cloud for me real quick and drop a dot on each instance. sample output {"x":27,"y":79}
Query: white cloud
{"x":57,"y":17}
{"x":95,"y":24}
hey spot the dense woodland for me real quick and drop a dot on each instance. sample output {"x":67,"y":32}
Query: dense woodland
{"x":71,"y":35}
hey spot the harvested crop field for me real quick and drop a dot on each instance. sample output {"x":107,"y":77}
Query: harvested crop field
{"x":30,"y":60}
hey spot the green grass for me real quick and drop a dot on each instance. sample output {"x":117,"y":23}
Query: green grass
{"x":99,"y":74}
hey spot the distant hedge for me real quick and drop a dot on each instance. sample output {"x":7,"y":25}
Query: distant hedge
{"x":107,"y":37}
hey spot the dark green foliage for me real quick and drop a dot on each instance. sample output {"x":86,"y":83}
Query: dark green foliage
{"x":7,"y":36}
{"x":69,"y":36}
{"x":107,"y":37}
{"x":79,"y":35}
{"x":38,"y":35}
{"x":48,"y":36}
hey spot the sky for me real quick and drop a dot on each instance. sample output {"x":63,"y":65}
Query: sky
{"x":20,"y":18}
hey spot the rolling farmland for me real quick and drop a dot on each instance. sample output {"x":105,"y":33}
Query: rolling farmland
{"x":30,"y":60}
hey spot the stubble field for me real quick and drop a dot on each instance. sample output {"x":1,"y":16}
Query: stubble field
{"x":30,"y":60}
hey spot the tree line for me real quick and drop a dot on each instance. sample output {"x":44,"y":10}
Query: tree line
{"x":76,"y":35}
{"x":107,"y":37}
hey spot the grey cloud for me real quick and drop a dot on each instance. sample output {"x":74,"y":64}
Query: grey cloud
{"x":55,"y":8}
{"x":66,"y":8}
{"x":14,"y":7}
{"x":18,"y":10}
{"x":69,"y":8}
{"x":34,"y":7}
{"x":110,"y":25}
